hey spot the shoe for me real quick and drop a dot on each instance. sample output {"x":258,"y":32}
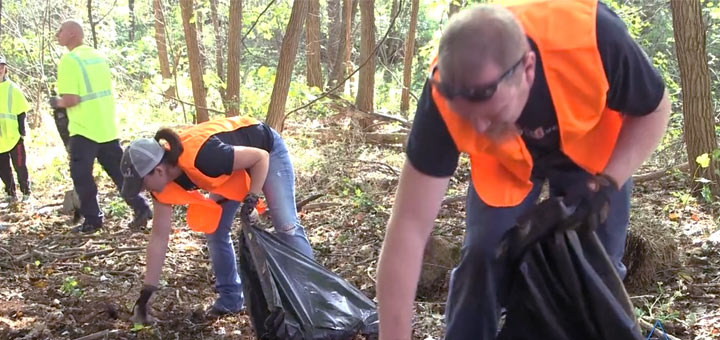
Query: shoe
{"x":87,"y":227}
{"x":140,"y":220}
{"x":218,"y":310}
{"x":11,"y":198}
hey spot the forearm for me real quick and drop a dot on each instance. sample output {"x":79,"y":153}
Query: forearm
{"x":68,"y":100}
{"x":258,"y":174}
{"x":638,"y":139}
{"x":398,"y":273}
{"x":156,"y":250}
{"x":21,"y":123}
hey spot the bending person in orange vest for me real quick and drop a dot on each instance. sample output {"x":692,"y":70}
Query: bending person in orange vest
{"x":552,"y":90}
{"x":235,"y":160}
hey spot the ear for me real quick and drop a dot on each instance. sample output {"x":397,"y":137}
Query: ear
{"x":529,"y":67}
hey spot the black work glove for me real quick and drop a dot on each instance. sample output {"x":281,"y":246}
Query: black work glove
{"x":592,"y":197}
{"x":248,"y":206}
{"x":53,"y":101}
{"x":140,"y":309}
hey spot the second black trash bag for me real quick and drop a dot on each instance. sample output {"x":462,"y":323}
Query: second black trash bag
{"x":290,"y":296}
{"x":563,"y":286}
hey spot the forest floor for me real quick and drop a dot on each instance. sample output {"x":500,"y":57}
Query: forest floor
{"x":58,"y":285}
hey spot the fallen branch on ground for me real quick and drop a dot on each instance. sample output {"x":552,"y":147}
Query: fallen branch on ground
{"x":648,"y":327}
{"x":660,"y":173}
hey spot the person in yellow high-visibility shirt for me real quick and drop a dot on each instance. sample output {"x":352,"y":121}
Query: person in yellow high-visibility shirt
{"x":13,"y":107}
{"x":85,"y":87}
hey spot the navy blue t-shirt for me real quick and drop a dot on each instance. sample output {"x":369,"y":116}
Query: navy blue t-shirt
{"x":217,"y":154}
{"x":636,"y":89}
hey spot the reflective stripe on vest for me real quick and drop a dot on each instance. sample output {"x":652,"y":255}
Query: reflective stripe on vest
{"x":8,"y":114}
{"x":90,"y":95}
{"x":578,"y":89}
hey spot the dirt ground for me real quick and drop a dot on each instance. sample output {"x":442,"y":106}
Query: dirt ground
{"x":58,"y":285}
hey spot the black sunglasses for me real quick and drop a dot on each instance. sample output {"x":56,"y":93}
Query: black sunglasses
{"x":473,"y":94}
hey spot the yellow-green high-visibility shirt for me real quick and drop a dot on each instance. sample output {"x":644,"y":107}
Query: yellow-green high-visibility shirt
{"x":12,"y":104}
{"x":85,"y":73}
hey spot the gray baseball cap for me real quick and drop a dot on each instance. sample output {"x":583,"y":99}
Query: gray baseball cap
{"x":3,"y":61}
{"x":138,"y":160}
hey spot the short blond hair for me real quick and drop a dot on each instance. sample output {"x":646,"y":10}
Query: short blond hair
{"x":480,"y":35}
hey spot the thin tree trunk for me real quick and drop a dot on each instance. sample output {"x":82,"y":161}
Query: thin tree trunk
{"x":92,"y":24}
{"x":232,"y":93}
{"x":334,"y":36}
{"x":342,"y":60}
{"x":1,"y":18}
{"x":454,"y":7}
{"x":389,"y":51}
{"x":201,"y":46}
{"x":408,"y":55}
{"x":131,"y":7}
{"x":218,"y":40}
{"x":366,"y":84}
{"x":288,"y":52}
{"x":195,"y":61}
{"x":690,"y":41}
{"x":162,"y":45}
{"x":312,"y":41}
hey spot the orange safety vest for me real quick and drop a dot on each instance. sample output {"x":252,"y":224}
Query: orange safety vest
{"x":564,"y":32}
{"x":203,"y":214}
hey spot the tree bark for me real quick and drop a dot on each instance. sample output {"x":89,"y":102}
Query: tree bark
{"x":131,"y":8}
{"x":288,"y":52}
{"x":454,"y":7}
{"x":232,"y":93}
{"x":334,"y":35}
{"x":690,"y":41}
{"x":408,"y":56}
{"x":92,"y":24}
{"x":366,"y":82}
{"x":218,"y":39}
{"x":312,"y":41}
{"x":195,"y":61}
{"x":162,"y":45}
{"x":342,"y":59}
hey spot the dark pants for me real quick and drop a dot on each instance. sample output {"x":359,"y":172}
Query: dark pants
{"x":83,"y":152}
{"x":17,"y":154}
{"x":473,"y":305}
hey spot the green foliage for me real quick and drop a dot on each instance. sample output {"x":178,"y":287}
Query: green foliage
{"x":70,"y":287}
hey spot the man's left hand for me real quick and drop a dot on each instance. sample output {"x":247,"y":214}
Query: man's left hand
{"x":248,"y":206}
{"x":593,"y":196}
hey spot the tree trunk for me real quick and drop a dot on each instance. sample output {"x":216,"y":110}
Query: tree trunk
{"x":388,"y":53}
{"x":162,"y":45}
{"x":199,"y":31}
{"x":312,"y":41}
{"x":232,"y":93}
{"x":286,"y":62}
{"x":131,"y":7}
{"x":366,"y":84}
{"x":195,"y":61}
{"x":218,"y":40}
{"x":1,"y":18}
{"x":408,"y":55}
{"x":92,"y":24}
{"x":342,"y":59}
{"x":454,"y":7}
{"x":334,"y":36}
{"x":689,"y":32}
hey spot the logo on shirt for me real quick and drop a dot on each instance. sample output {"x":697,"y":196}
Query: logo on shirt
{"x":539,"y":132}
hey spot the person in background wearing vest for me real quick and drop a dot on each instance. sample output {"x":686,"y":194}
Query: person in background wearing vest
{"x":234,"y":160}
{"x":85,"y":87}
{"x":13,"y":107}
{"x":552,"y":90}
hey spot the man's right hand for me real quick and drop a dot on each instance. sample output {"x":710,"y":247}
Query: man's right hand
{"x":141,"y":307}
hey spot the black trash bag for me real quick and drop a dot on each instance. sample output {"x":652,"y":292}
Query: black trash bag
{"x":562,"y":284}
{"x":290,"y":296}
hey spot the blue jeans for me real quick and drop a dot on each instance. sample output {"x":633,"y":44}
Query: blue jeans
{"x":472,"y":309}
{"x":279,"y":190}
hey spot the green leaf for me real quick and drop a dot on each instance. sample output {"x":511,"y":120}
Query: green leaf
{"x":703,"y":160}
{"x":137,"y":327}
